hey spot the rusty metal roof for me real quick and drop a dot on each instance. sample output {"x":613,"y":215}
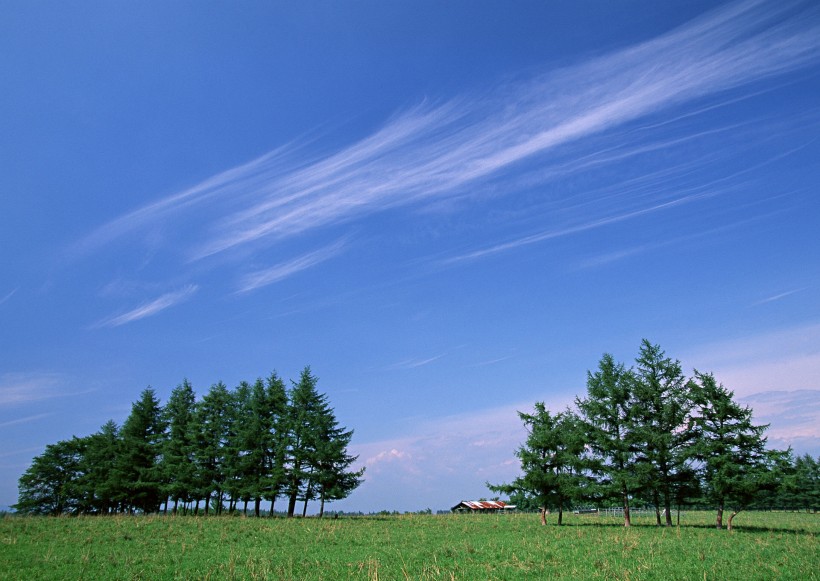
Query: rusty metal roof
{"x":484,"y":504}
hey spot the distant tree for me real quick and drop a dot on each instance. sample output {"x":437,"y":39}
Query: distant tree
{"x":734,"y":462}
{"x":552,"y":461}
{"x":178,"y":462}
{"x":606,"y":413}
{"x":804,"y":483}
{"x":659,"y":415}
{"x":137,"y":471}
{"x":49,"y":486}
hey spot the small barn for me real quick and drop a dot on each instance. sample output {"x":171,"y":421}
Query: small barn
{"x":483,"y":506}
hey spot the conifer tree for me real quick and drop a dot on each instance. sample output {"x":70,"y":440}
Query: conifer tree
{"x":211,"y":430}
{"x":735,"y":463}
{"x":606,"y":414}
{"x":552,"y":461}
{"x":659,"y":418}
{"x":178,"y":462}
{"x":137,"y":472}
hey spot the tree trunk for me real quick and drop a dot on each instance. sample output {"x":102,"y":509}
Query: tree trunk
{"x":292,"y":504}
{"x":729,"y":523}
{"x":272,"y":501}
{"x":207,"y":503}
{"x":560,"y":514}
{"x":176,"y":504}
{"x":543,"y":515}
{"x":304,"y":508}
{"x":625,"y":497}
{"x":245,"y":508}
{"x":256,"y":505}
{"x":719,"y":522}
{"x":322,"y":506}
{"x":668,"y":509}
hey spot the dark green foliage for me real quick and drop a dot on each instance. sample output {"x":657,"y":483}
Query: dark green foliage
{"x":49,"y":486}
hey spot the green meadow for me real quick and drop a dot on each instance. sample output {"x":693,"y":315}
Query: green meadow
{"x":764,"y":545}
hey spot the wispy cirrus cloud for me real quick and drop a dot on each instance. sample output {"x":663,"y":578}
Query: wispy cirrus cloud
{"x":150,"y":308}
{"x":414,"y":363}
{"x":777,"y":297}
{"x":23,"y":388}
{"x":438,"y":151}
{"x":264,"y":277}
{"x":8,"y":295}
{"x":25,"y":420}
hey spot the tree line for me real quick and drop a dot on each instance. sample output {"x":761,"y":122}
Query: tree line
{"x":651,"y":435}
{"x":257,"y":442}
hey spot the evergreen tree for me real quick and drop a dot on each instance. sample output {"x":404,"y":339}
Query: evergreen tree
{"x":211,"y":430}
{"x":277,"y":406}
{"x":331,"y":462}
{"x":302,"y":437}
{"x":552,"y":461}
{"x":607,"y":420}
{"x":805,"y":484}
{"x":178,"y":463}
{"x":49,"y":486}
{"x":137,"y":471}
{"x":734,"y":462}
{"x":98,"y":467}
{"x":316,"y":459}
{"x":659,"y":417}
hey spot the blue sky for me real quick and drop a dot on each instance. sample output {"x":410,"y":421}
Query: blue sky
{"x":448,"y":210}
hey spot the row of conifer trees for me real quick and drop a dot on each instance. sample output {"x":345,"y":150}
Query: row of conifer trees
{"x":650,"y":435}
{"x":257,"y":442}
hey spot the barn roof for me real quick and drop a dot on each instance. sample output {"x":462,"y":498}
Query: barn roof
{"x":484,"y":505}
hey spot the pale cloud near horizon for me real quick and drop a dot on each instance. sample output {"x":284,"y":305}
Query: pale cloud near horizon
{"x":436,"y":151}
{"x":779,"y":360}
{"x":150,"y":308}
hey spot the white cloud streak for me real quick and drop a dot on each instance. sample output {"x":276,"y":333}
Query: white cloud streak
{"x":23,"y":388}
{"x":148,"y":309}
{"x":25,"y":420}
{"x":261,"y":278}
{"x":8,"y":296}
{"x":438,"y":152}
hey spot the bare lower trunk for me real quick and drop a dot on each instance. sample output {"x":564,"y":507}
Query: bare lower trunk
{"x":625,"y":497}
{"x":719,"y":521}
{"x":256,"y":505}
{"x":560,"y":515}
{"x":322,"y":506}
{"x":292,"y":505}
{"x":543,"y":512}
{"x":272,"y":502}
{"x":729,"y":523}
{"x":304,"y":508}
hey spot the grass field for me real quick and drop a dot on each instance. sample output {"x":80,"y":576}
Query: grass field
{"x":763,"y":546}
